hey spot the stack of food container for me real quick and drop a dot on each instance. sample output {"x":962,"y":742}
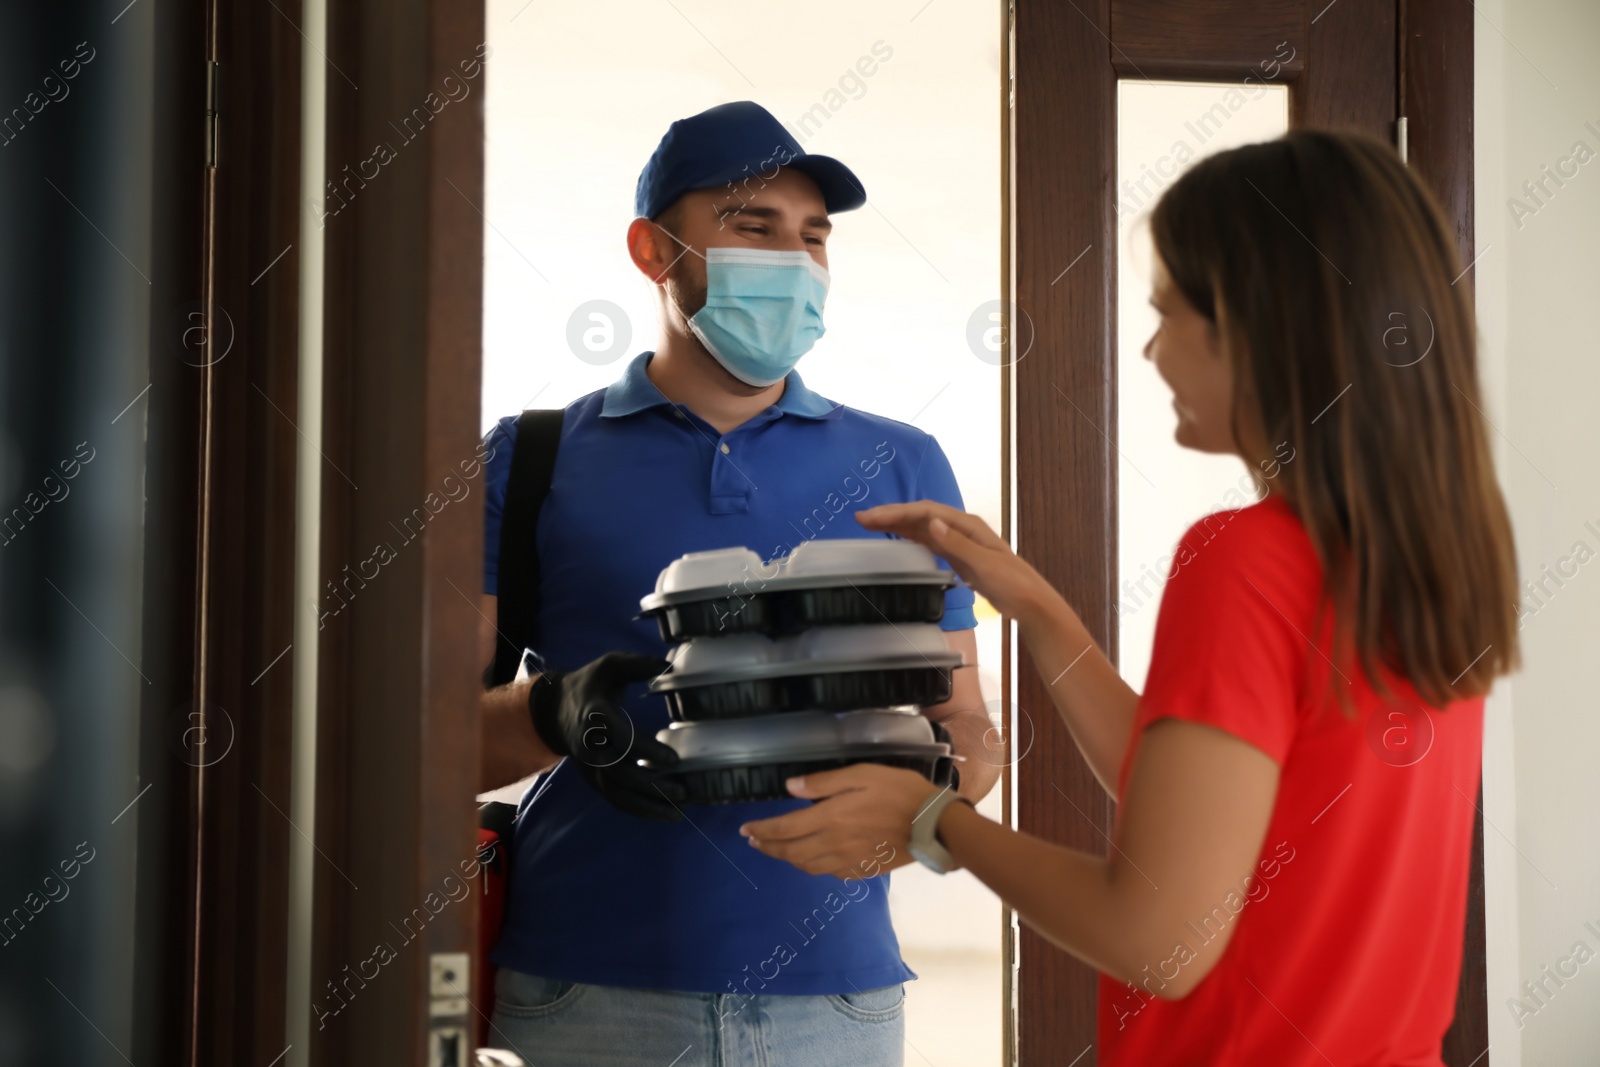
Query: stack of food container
{"x":814,"y":661}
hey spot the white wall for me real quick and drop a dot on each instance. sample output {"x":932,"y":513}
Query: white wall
{"x":1537,"y":86}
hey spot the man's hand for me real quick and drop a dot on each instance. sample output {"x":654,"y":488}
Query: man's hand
{"x":578,"y":714}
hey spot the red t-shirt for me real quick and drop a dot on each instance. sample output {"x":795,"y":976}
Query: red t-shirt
{"x":1347,"y":934}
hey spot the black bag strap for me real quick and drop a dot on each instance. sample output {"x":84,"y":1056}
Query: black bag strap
{"x":533,"y":461}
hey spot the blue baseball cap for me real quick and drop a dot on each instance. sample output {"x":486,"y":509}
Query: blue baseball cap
{"x":731,"y":143}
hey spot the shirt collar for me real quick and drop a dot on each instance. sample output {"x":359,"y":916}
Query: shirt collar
{"x":634,"y":391}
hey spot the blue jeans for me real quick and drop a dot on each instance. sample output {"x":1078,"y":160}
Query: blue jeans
{"x":551,"y":1023}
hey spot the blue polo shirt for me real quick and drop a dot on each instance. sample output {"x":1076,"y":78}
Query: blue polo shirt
{"x":600,"y":896}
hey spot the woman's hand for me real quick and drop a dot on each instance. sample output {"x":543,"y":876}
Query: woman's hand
{"x":973,"y":550}
{"x":861,"y":829}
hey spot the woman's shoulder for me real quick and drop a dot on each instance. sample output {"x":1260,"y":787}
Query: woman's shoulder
{"x":1268,"y":524}
{"x":1264,"y":542}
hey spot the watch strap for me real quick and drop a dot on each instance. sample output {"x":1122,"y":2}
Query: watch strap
{"x":925,"y":844}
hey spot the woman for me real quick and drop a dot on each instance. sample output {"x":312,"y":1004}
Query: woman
{"x":1295,"y":785}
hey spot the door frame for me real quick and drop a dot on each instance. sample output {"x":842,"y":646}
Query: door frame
{"x":397,"y":689}
{"x":210,"y":925}
{"x":398,"y":681}
{"x":1059,"y":156}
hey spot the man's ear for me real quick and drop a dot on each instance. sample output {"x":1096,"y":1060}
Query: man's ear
{"x":652,"y":249}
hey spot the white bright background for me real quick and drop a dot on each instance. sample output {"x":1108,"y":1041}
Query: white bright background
{"x":578,"y":95}
{"x":1161,"y":487}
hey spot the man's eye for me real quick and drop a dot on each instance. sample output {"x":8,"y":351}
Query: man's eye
{"x":753,"y":229}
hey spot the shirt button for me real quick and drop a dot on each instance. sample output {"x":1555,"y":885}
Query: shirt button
{"x":724,"y":448}
{"x":678,"y":412}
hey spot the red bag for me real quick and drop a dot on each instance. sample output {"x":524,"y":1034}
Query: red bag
{"x":495,"y":825}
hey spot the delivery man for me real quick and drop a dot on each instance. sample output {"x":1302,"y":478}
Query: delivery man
{"x":639,"y":930}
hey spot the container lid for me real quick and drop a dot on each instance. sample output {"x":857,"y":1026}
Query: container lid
{"x":735,"y":652}
{"x":802,"y":735}
{"x":819,"y":650}
{"x":858,"y":559}
{"x":722,"y":570}
{"x":827,"y":644}
{"x":836,"y":562}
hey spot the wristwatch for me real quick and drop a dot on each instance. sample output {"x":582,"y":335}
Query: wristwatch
{"x":926,"y":848}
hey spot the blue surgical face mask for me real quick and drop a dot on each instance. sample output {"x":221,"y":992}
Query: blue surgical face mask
{"x":763,"y":311}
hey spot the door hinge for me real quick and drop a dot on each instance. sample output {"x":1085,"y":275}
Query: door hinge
{"x":1400,"y":137}
{"x":1011,"y":54}
{"x":213,"y":106}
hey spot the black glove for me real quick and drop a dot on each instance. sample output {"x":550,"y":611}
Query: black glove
{"x":579,"y":714}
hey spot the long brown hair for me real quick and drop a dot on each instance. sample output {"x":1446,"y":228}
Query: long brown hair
{"x":1336,"y":286}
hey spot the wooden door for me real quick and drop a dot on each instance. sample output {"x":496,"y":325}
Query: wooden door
{"x":397,"y":759}
{"x":1348,"y":70}
{"x":396,"y":739}
{"x":213,"y":834}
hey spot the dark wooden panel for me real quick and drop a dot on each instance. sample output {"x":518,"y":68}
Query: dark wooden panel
{"x":1065,"y":415}
{"x":164,"y":945}
{"x":219,"y":543}
{"x":1349,"y":81}
{"x":1438,"y":100}
{"x":398,"y":678}
{"x":247,"y":601}
{"x":1208,"y":39}
{"x":1466,"y":1044}
{"x":1436,"y":95}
